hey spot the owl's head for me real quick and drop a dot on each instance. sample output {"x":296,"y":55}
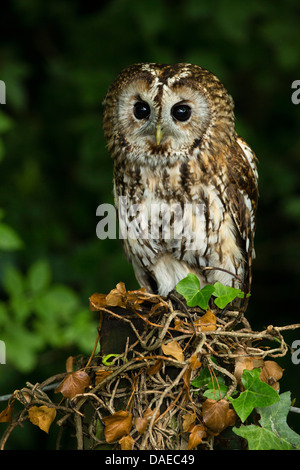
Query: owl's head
{"x":156,"y":110}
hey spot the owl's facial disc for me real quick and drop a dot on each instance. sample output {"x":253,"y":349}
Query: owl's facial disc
{"x":155,"y":118}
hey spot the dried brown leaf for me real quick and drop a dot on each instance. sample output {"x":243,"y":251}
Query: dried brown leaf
{"x":217,"y":415}
{"x":97,"y":301}
{"x":195,"y":363}
{"x":157,"y":306}
{"x":101,"y":374}
{"x":6,"y":414}
{"x":42,"y":416}
{"x":70,"y":364}
{"x":242,"y":363}
{"x":155,"y":367}
{"x":73,"y":384}
{"x":117,"y":425}
{"x":178,"y":324}
{"x":188,"y":422}
{"x":126,"y":442}
{"x":187,"y":378}
{"x":257,"y":362}
{"x":141,"y":424}
{"x":173,"y":349}
{"x":271,"y":372}
{"x":148,"y":413}
{"x":136,"y":297}
{"x":197,"y":434}
{"x":207,"y":322}
{"x":117,"y":296}
{"x":187,"y":382}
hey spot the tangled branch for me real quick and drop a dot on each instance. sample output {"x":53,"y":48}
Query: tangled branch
{"x":143,"y":399}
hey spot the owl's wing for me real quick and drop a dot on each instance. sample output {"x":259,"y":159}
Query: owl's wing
{"x":242,"y":195}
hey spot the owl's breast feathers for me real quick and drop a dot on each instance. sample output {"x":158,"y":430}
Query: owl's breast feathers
{"x":224,"y":185}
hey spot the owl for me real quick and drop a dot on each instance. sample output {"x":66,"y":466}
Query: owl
{"x":178,"y":161}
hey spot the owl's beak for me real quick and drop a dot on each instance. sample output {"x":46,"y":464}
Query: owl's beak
{"x":158,"y":134}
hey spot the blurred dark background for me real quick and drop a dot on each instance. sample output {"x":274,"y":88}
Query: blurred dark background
{"x":57,"y":60}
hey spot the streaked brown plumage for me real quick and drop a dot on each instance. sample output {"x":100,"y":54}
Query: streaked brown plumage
{"x":160,"y":157}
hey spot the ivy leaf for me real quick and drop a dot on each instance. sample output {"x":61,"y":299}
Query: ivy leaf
{"x":189,"y":287}
{"x":202,"y":379}
{"x":191,"y":290}
{"x":42,"y":416}
{"x":225,"y":294}
{"x":216,"y":393}
{"x":197,"y":434}
{"x":204,"y":295}
{"x":217,"y":415}
{"x":215,"y":386}
{"x":173,"y":349}
{"x":207,"y":322}
{"x":273,"y":432}
{"x":6,"y":414}
{"x":260,"y":438}
{"x":117,"y":425}
{"x":275,"y":416}
{"x":126,"y":442}
{"x":257,"y":394}
{"x":74,"y":383}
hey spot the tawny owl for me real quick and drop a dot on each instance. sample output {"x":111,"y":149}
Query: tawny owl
{"x":170,"y":130}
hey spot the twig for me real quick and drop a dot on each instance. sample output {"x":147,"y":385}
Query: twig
{"x":159,"y":403}
{"x":149,"y":388}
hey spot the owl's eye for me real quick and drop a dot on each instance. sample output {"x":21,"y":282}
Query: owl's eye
{"x":141,"y":110}
{"x":181,"y":112}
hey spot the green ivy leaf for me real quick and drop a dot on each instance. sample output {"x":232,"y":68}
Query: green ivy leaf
{"x":225,"y":294}
{"x":212,"y":385}
{"x":204,"y":295}
{"x":257,"y":394}
{"x":273,"y":432}
{"x":260,"y":438}
{"x":189,"y":287}
{"x":216,"y":393}
{"x":275,"y":417}
{"x":202,"y":379}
